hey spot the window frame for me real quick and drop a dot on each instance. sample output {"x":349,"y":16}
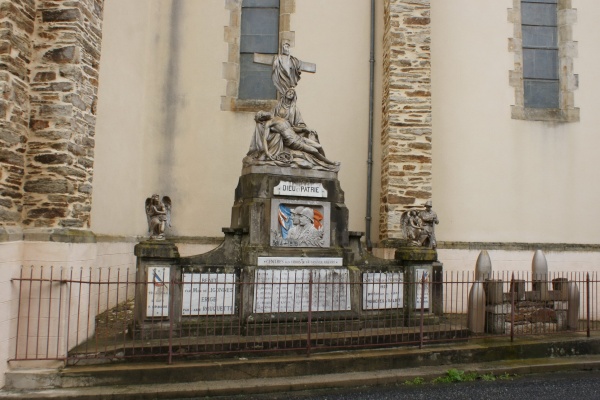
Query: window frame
{"x":567,"y":79}
{"x":231,"y":68}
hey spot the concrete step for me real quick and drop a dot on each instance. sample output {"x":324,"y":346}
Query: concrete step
{"x":376,"y":366}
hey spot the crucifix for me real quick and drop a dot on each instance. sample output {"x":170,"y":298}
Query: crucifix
{"x":286,"y":68}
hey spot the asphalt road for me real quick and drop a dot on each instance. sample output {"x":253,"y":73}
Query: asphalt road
{"x":553,"y":386}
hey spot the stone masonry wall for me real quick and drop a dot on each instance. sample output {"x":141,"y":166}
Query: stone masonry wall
{"x":16,"y":28}
{"x":406,"y":122}
{"x":64,"y":84}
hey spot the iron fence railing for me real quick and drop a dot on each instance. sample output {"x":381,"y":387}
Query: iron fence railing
{"x":80,"y":315}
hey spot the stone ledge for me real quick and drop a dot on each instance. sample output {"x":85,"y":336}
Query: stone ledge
{"x":10,"y":234}
{"x":100,"y":238}
{"x":514,"y":246}
{"x":545,"y":114}
{"x":282,"y":171}
{"x":62,"y":235}
{"x":156,"y":249}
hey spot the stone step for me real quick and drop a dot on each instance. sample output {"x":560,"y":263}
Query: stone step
{"x":485,"y":350}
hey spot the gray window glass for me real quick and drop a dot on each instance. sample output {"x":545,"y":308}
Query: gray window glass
{"x":540,"y":64}
{"x":540,"y":36}
{"x":538,"y":14}
{"x":539,"y":20}
{"x":541,"y":94}
{"x":262,"y":3}
{"x":255,"y":79}
{"x":259,"y":34}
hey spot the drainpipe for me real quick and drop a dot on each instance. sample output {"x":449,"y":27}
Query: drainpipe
{"x":370,"y":141}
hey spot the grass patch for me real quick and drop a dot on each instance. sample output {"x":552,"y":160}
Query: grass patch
{"x":416,"y":381}
{"x":506,"y":376}
{"x":487,"y":377}
{"x":455,"y":375}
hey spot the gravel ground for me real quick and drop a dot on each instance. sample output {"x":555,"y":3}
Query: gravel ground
{"x":553,"y":386}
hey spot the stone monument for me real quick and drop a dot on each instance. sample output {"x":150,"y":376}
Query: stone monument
{"x":288,"y":253}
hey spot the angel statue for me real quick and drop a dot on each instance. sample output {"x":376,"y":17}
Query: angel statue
{"x":159,"y":216}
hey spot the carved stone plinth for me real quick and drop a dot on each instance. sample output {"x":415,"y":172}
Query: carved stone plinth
{"x":156,"y":301}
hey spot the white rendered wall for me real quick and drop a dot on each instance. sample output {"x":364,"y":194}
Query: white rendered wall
{"x":160,"y":127}
{"x":39,"y":335}
{"x":502,"y":180}
{"x":458,"y":260}
{"x":11,"y":254}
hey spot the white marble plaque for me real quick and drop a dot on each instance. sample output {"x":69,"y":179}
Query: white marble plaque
{"x":208,"y":294}
{"x":157,"y":292}
{"x":285,"y":291}
{"x":300,"y":189}
{"x":383,"y":290}
{"x":419,"y":273}
{"x":300,"y":261}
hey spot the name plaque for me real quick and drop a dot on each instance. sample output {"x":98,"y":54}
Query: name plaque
{"x":208,"y":294}
{"x":383,"y":290}
{"x":157,"y":292}
{"x":300,"y":261}
{"x":286,"y":291}
{"x":419,"y":273}
{"x":300,"y":189}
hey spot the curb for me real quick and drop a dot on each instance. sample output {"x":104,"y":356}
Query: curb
{"x":301,"y":383}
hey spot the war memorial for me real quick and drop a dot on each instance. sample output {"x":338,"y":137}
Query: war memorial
{"x":289,"y":264}
{"x":132,"y":132}
{"x":288,"y":259}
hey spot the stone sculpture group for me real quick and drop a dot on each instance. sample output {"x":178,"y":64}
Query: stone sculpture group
{"x":299,"y":227}
{"x":158,"y":214}
{"x":418,"y":226}
{"x":281,"y":137}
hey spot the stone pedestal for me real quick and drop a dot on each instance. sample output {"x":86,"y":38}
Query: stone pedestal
{"x":287,"y":259}
{"x":262,"y":190}
{"x":157,"y":301}
{"x":419,"y":263}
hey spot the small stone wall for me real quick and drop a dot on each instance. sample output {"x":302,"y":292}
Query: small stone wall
{"x":537,"y":311}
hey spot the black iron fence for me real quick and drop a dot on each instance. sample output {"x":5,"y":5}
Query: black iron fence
{"x":92,"y":315}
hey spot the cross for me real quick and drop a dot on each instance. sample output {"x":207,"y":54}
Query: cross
{"x":286,"y":68}
{"x":267,"y":59}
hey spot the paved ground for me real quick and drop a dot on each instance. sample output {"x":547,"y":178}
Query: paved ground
{"x":549,"y":386}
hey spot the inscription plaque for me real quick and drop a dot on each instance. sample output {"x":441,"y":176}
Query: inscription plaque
{"x":300,"y":261}
{"x":285,"y":291}
{"x":208,"y":294}
{"x":383,"y":290}
{"x":157,"y":292}
{"x":300,"y":189}
{"x":419,"y":273}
